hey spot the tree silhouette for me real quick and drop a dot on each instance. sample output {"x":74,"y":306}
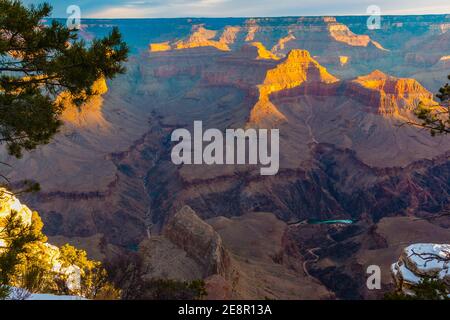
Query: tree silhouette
{"x":38,"y":62}
{"x":437,"y":120}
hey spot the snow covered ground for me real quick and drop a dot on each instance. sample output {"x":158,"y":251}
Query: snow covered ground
{"x":22,"y":294}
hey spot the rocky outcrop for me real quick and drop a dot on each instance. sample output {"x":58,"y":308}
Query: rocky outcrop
{"x":190,"y":246}
{"x":281,"y":45}
{"x":199,"y":240}
{"x":229,"y":35}
{"x":419,"y":262}
{"x":296,"y":69}
{"x":343,"y":60}
{"x":160,"y":47}
{"x":263,"y":53}
{"x":248,"y":257}
{"x":200,"y":37}
{"x":388,"y":95}
{"x":8,"y":203}
{"x":252,"y":28}
{"x":378,"y":92}
{"x":341,"y":33}
{"x":299,"y":67}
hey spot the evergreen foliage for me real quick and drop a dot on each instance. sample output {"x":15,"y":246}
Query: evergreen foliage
{"x":437,"y":120}
{"x":39,"y":62}
{"x":26,"y":262}
{"x":428,"y":289}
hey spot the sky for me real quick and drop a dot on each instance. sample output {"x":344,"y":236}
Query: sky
{"x":240,"y":8}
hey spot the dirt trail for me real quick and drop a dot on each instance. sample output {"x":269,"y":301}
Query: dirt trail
{"x":314,"y":260}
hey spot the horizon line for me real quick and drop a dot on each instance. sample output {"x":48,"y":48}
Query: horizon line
{"x":259,"y":17}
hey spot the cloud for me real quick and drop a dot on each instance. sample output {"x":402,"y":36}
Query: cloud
{"x":240,"y":8}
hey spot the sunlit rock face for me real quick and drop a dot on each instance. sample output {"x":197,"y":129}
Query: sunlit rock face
{"x":343,"y":60}
{"x":419,"y":262}
{"x":263,"y":53}
{"x":200,"y":37}
{"x":298,"y":68}
{"x":282,"y":42}
{"x":159,"y":47}
{"x":342,"y":33}
{"x":279,"y":38}
{"x":8,"y":203}
{"x":90,"y":114}
{"x":388,"y":95}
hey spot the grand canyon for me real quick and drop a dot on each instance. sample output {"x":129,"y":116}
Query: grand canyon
{"x":341,"y":96}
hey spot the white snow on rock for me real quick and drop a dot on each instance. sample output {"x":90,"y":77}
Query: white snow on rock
{"x":420,"y":261}
{"x":53,"y":297}
{"x":22,"y":294}
{"x":432,"y":260}
{"x":405,"y":274}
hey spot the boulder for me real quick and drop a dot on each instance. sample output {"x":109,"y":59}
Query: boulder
{"x":419,"y":262}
